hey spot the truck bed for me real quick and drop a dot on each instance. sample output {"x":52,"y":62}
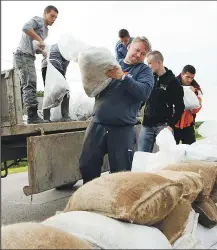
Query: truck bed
{"x":26,"y":129}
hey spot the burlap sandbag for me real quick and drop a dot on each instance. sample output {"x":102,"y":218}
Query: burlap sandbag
{"x":31,"y":235}
{"x":207,"y":170}
{"x":174,"y":224}
{"x":213,"y":195}
{"x":192,"y":182}
{"x":141,"y":198}
{"x":208,"y":212}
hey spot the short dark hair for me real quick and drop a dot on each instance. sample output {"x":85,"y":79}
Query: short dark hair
{"x":49,"y":8}
{"x":123,"y":33}
{"x":189,"y":68}
{"x":157,"y":55}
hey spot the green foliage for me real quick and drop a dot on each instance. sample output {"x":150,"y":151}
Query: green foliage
{"x":40,"y":93}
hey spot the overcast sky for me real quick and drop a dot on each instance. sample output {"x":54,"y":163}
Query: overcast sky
{"x":185,"y":32}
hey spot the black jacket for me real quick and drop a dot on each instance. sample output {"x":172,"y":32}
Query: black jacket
{"x":165,"y":104}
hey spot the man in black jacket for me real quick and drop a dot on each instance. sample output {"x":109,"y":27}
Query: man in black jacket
{"x":165,"y":105}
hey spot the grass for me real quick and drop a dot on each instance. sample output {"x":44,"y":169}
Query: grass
{"x":17,"y":170}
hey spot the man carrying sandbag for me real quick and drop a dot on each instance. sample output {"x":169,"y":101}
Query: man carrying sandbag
{"x":122,"y":44}
{"x":61,"y":64}
{"x":24,"y":57}
{"x":165,"y":105}
{"x":184,"y":129}
{"x":112,"y":127}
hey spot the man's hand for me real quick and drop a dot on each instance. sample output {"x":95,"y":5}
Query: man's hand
{"x":41,"y":44}
{"x":170,"y":128}
{"x":192,"y":88}
{"x":116,"y":73}
{"x":44,"y":53}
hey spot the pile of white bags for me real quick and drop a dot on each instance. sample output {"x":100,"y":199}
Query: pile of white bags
{"x":204,"y":149}
{"x":108,"y":233}
{"x":80,"y":106}
{"x":190,"y":99}
{"x":169,"y":153}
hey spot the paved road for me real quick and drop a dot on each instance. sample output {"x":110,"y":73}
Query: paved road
{"x":16,"y":207}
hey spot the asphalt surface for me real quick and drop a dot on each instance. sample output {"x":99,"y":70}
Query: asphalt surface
{"x":17,"y":207}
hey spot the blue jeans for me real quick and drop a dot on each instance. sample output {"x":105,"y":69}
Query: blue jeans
{"x":147,"y":137}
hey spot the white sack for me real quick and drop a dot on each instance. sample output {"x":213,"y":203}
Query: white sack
{"x":188,"y":240}
{"x":108,"y":233}
{"x":207,"y":236}
{"x":190,"y":99}
{"x":93,"y":64}
{"x":202,"y":152}
{"x":208,"y":129}
{"x":56,"y":87}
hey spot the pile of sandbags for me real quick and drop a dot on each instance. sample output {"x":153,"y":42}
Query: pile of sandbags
{"x":163,"y":199}
{"x":202,"y":197}
{"x":107,"y":233}
{"x":141,"y":198}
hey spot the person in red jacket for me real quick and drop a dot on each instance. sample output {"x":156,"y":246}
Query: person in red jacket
{"x":184,"y":129}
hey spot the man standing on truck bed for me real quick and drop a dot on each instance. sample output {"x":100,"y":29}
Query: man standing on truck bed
{"x":35,"y":29}
{"x":61,"y":64}
{"x":112,"y":128}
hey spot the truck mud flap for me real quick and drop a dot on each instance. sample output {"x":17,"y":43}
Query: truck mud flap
{"x":53,"y":160}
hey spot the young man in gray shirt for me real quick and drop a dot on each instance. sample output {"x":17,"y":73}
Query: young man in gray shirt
{"x":24,"y":59}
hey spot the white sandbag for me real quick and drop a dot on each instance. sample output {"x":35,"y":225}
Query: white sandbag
{"x":162,"y":159}
{"x":202,"y":152}
{"x":169,"y":153}
{"x":188,"y":240}
{"x":93,"y":64}
{"x":208,"y":129}
{"x":140,"y":161}
{"x":207,"y":236}
{"x":108,"y":233}
{"x":70,"y":47}
{"x":56,"y":87}
{"x":165,"y":140}
{"x":81,"y":106}
{"x":190,"y":99}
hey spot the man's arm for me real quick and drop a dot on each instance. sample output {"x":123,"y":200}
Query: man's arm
{"x":176,"y":94}
{"x":142,"y":87}
{"x":118,"y":54}
{"x":29,"y":27}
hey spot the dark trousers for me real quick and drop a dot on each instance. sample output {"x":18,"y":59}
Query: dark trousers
{"x":185,"y":135}
{"x":116,"y":141}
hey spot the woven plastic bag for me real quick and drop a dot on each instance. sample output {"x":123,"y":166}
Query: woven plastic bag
{"x":190,"y":99}
{"x":93,"y":64}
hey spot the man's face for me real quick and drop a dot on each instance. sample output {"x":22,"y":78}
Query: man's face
{"x":153,"y":64}
{"x":125,"y":40}
{"x":187,"y":78}
{"x":50,"y":17}
{"x":136,"y":52}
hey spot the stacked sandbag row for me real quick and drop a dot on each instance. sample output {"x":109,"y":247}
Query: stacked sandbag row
{"x":163,"y":200}
{"x":199,"y":180}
